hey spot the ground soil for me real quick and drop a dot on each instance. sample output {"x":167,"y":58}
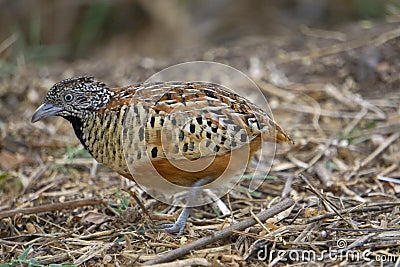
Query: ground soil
{"x":335,"y":92}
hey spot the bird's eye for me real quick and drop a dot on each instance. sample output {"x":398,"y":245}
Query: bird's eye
{"x":68,"y":97}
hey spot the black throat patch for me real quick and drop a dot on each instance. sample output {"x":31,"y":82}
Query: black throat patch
{"x":77,"y":124}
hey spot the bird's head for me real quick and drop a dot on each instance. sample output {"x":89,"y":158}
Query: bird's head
{"x":73,"y":97}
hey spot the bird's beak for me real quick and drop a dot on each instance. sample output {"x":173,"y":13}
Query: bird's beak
{"x":44,"y":111}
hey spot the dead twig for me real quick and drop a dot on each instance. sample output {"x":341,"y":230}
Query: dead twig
{"x":322,"y":197}
{"x":350,"y":210}
{"x":139,"y":202}
{"x":374,"y":154}
{"x":187,"y":262}
{"x":94,"y":251}
{"x":51,"y":207}
{"x":224,"y":233}
{"x":60,"y":257}
{"x":380,"y":149}
{"x":8,"y":42}
{"x":342,"y":47}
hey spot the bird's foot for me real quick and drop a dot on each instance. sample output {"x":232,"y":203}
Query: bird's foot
{"x":179,"y":226}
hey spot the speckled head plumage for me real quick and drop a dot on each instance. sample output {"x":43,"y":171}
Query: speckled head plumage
{"x":75,"y":97}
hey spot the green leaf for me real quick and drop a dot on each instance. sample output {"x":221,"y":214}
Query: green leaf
{"x":259,"y":177}
{"x":25,"y":253}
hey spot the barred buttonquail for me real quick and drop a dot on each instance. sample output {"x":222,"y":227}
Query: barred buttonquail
{"x":164,"y":123}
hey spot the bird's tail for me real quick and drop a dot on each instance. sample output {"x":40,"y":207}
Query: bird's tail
{"x":276,"y":134}
{"x":281,"y":135}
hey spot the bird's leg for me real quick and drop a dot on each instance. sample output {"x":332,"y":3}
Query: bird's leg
{"x":180,"y":224}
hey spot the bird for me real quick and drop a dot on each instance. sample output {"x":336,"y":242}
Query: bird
{"x":155,"y":128}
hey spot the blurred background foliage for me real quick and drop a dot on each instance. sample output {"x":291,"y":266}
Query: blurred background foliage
{"x":41,"y":31}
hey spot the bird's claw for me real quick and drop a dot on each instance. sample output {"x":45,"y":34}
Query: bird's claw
{"x":173,"y":228}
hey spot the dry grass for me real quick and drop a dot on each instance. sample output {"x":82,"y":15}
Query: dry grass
{"x":336,"y":93}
